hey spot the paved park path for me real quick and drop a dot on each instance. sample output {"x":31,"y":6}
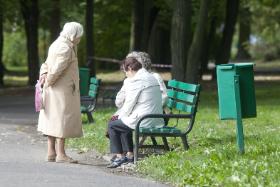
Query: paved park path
{"x":23,"y":152}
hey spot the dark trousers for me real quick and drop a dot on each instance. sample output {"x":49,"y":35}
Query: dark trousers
{"x":120,"y":137}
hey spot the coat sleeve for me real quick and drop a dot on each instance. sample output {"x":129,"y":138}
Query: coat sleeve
{"x":62,"y":61}
{"x":44,"y":69}
{"x":133,"y":92}
{"x":120,"y":98}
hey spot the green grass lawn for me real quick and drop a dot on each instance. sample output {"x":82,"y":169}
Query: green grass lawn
{"x":213,"y":158}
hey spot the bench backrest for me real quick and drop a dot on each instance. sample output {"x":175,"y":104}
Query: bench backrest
{"x":183,"y":97}
{"x":94,"y":87}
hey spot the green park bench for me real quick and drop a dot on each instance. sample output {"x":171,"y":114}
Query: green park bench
{"x":182,"y":102}
{"x":88,"y":103}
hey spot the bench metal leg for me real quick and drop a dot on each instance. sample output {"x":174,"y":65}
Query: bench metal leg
{"x":154,"y":140}
{"x":166,"y":147}
{"x":185,"y":143}
{"x":142,"y":140}
{"x":90,"y":118}
{"x":136,"y":146}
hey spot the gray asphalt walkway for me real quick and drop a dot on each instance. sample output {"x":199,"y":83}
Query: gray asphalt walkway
{"x":23,"y":153}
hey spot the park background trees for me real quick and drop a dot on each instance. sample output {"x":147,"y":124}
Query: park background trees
{"x":186,"y":34}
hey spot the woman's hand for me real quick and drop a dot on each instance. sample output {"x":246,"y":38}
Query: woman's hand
{"x":42,"y":79}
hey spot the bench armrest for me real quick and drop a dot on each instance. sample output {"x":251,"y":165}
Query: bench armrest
{"x":86,"y":98}
{"x":88,"y":102}
{"x":168,"y":116}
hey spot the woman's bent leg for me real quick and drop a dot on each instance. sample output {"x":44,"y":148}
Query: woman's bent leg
{"x":120,"y":140}
{"x":127,"y":141}
{"x":115,"y":138}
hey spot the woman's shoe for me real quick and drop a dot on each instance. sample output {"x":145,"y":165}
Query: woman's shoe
{"x":66,"y":159}
{"x":113,"y":158}
{"x":51,"y":158}
{"x":117,"y":162}
{"x":130,"y":160}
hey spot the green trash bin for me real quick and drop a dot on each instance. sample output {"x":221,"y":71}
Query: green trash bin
{"x":84,"y":80}
{"x":236,"y":94}
{"x":227,"y":75}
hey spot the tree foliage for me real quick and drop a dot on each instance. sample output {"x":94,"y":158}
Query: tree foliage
{"x":265,"y":29}
{"x":158,"y":33}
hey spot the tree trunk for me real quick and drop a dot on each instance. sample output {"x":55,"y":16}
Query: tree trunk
{"x":89,"y":37}
{"x":150,"y":13}
{"x":244,"y":34}
{"x":55,"y":19}
{"x":210,"y":38}
{"x":137,"y":23}
{"x":2,"y":67}
{"x":223,"y":55}
{"x":143,"y":17}
{"x":30,"y":14}
{"x":180,"y":37}
{"x":159,"y":44}
{"x":195,"y":52}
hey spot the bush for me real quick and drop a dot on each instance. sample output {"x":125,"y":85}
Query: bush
{"x":15,"y":53}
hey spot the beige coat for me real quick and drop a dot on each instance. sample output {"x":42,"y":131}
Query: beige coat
{"x":61,"y":115}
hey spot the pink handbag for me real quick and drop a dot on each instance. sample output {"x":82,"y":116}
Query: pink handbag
{"x":38,"y":97}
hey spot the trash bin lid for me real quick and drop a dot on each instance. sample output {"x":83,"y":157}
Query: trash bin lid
{"x":233,"y":65}
{"x":84,"y":69}
{"x":243,"y":65}
{"x":225,"y":66}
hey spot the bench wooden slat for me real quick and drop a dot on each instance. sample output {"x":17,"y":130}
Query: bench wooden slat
{"x":92,"y":93}
{"x":180,"y":106}
{"x":169,"y":130}
{"x":88,"y":103}
{"x":183,"y":86}
{"x":93,"y":87}
{"x":181,"y":96}
{"x":94,"y":80}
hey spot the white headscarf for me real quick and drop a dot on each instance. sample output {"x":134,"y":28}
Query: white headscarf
{"x":72,"y":30}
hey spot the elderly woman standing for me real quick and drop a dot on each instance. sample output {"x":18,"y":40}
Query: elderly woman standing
{"x":59,"y":76}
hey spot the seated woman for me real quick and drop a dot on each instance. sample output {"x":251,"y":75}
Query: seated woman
{"x":142,"y":96}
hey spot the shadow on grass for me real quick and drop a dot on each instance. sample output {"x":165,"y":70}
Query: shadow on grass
{"x":210,"y":141}
{"x":254,"y":147}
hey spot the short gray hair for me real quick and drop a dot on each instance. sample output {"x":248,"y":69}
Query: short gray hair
{"x":143,"y":58}
{"x":146,"y":60}
{"x":72,"y":30}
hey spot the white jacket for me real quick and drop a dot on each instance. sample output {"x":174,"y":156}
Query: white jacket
{"x":162,"y":87}
{"x":142,"y":96}
{"x":120,"y":98}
